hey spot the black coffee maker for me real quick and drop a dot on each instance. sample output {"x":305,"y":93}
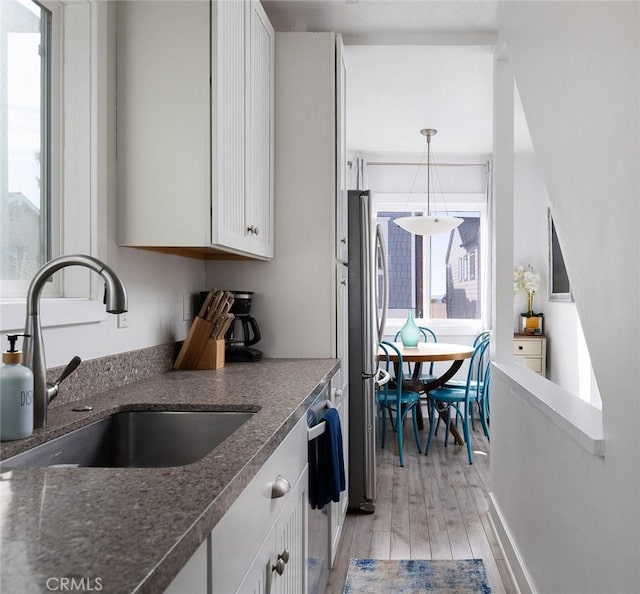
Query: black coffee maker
{"x":244,"y":331}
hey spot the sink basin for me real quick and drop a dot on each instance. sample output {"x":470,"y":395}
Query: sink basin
{"x":135,"y":439}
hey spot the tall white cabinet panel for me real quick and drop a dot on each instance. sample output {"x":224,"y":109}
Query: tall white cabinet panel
{"x":341,"y":154}
{"x":187,"y":150}
{"x":340,"y":384}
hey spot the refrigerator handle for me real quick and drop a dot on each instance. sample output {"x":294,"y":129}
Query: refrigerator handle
{"x":382,"y":249}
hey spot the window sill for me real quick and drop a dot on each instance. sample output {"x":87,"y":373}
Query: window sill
{"x":440,"y":327}
{"x":579,"y":419}
{"x":53,"y":312}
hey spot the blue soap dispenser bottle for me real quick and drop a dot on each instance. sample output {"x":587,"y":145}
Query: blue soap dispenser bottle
{"x":16,"y":394}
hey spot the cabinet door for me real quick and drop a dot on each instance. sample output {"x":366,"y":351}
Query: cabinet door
{"x":228,"y":105}
{"x":163,"y":124}
{"x":285,"y":545}
{"x":291,"y":538}
{"x":259,"y":134}
{"x":243,"y":101}
{"x":258,"y":578}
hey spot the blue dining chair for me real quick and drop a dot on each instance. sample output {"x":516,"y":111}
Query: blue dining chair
{"x":461,"y":383}
{"x":461,"y":399}
{"x":393,"y":397}
{"x":473,"y":380}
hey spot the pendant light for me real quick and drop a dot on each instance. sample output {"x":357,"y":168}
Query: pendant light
{"x":429,"y":224}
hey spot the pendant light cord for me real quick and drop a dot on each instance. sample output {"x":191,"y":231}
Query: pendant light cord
{"x":428,"y":174}
{"x":415,"y":178}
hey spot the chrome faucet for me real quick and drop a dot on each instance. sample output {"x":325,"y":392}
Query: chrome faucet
{"x":33,"y":346}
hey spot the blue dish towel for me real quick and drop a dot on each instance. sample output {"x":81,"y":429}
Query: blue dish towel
{"x":326,"y":463}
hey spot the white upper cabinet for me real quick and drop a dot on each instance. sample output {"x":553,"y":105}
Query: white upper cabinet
{"x":260,"y":132}
{"x":195,"y":127}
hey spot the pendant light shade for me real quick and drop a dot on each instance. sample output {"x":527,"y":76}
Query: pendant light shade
{"x":428,"y":224}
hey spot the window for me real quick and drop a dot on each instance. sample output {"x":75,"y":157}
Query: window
{"x":439,"y":277}
{"x":69,"y":74}
{"x":25,"y":147}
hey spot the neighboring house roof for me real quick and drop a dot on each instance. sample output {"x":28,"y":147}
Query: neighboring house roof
{"x":467,"y":233}
{"x":20,"y":200}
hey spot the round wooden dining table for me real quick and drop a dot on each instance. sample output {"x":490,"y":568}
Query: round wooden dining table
{"x":427,"y":352}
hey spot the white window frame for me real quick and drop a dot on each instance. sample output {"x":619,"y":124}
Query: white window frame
{"x":453,"y":203}
{"x":15,"y":290}
{"x":80,"y":66}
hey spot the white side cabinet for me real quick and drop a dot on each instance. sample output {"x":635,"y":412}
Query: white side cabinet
{"x":531,"y":351}
{"x":195,"y":127}
{"x":260,"y":544}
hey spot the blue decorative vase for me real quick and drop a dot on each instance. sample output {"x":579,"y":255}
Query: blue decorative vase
{"x":410,"y":333}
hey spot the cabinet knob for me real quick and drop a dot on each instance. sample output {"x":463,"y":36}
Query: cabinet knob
{"x":284,"y":556}
{"x":253,"y":229}
{"x":280,"y":487}
{"x":278,"y":567}
{"x":338,"y":395}
{"x":520,"y":347}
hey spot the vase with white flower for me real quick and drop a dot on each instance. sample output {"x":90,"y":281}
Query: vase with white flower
{"x":527,"y":280}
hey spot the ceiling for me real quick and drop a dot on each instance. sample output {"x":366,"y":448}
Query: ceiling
{"x":410,"y":65}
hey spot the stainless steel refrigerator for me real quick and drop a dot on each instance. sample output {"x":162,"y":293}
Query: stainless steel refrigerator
{"x":367,"y":282}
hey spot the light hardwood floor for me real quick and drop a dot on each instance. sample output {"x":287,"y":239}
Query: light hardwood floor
{"x":435,"y":507}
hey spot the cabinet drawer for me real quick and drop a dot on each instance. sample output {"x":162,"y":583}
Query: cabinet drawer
{"x":527,"y":347}
{"x":241,"y":531}
{"x":533,"y":363}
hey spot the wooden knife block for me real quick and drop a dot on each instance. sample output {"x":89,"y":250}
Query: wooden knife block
{"x":213,"y":355}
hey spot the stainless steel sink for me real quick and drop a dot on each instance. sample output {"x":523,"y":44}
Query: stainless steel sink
{"x":135,"y":439}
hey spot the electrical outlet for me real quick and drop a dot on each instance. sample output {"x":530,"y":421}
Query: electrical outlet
{"x":187,"y":307}
{"x":123,"y":320}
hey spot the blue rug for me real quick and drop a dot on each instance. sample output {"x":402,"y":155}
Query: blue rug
{"x":417,"y":576}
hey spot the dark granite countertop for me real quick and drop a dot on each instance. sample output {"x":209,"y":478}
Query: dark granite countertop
{"x":135,"y":528}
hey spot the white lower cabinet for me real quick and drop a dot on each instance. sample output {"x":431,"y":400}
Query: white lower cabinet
{"x":281,"y":563}
{"x":269,"y":517}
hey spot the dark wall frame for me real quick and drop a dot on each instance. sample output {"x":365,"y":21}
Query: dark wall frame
{"x":559,"y":286}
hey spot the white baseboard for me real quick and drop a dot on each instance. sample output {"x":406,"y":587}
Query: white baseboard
{"x":519,"y":574}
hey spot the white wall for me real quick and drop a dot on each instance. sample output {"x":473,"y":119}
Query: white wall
{"x":395,"y":179}
{"x":155,"y":284}
{"x":573,"y":517}
{"x":568,"y":361}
